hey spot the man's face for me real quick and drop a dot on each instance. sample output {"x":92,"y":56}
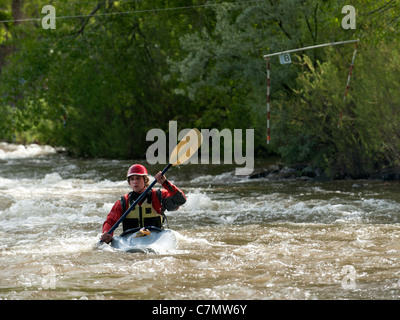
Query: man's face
{"x":136,"y":183}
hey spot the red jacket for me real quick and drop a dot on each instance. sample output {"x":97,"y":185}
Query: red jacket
{"x":171,"y":199}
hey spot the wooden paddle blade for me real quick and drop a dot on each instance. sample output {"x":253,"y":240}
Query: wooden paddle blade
{"x":186,"y":148}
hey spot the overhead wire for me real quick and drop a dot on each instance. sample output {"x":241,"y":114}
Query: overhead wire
{"x":133,"y":11}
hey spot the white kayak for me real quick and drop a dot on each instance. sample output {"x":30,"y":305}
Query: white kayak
{"x":146,"y":240}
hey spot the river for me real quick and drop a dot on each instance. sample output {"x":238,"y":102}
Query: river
{"x":238,"y":238}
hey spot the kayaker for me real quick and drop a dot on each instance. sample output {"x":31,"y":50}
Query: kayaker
{"x":151,"y":211}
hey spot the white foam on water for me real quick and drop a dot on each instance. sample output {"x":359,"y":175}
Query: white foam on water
{"x":52,"y":215}
{"x":267,"y":243}
{"x":15,"y":151}
{"x":204,"y":207}
{"x":222,"y":178}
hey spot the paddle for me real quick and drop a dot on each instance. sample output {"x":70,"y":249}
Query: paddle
{"x":182,"y":153}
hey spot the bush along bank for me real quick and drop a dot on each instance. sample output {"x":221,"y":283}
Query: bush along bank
{"x":305,"y":172}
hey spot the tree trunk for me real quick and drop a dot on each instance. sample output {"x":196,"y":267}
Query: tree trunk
{"x":16,"y":9}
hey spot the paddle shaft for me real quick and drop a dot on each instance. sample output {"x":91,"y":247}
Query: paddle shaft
{"x":115,"y":226}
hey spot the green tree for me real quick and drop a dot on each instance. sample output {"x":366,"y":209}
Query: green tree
{"x":120,"y":68}
{"x":367,"y":139}
{"x":106,"y":72}
{"x":223,"y":72}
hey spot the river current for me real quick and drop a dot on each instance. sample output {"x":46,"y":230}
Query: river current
{"x":239,"y":238}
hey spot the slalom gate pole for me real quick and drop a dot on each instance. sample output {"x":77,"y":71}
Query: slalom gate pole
{"x":267,"y":56}
{"x":268,"y":99}
{"x":348,"y":82}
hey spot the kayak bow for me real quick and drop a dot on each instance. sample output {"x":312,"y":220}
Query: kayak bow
{"x":146,"y":240}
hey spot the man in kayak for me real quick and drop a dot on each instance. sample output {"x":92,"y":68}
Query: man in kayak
{"x":151,"y":211}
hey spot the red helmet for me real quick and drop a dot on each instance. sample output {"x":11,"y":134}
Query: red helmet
{"x":137,"y":170}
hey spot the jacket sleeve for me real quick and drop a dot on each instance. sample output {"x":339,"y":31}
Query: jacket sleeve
{"x":172,"y":197}
{"x":113,"y":216}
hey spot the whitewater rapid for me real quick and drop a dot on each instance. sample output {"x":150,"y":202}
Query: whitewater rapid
{"x":238,"y":238}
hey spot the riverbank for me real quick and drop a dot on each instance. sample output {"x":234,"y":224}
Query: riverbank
{"x":239,"y":239}
{"x":277,"y":170}
{"x":280,"y":171}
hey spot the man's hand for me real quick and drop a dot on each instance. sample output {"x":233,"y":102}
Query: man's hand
{"x":160,"y":178}
{"x":106,"y":237}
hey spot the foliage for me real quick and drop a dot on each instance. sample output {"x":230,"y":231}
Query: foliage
{"x":368,"y":136}
{"x":100,"y":81}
